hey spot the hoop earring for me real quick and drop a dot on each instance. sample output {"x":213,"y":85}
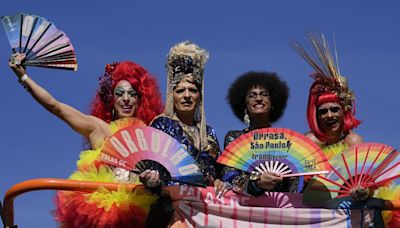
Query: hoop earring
{"x":246,"y":118}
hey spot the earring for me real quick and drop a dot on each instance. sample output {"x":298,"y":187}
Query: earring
{"x":246,"y":118}
{"x":112,"y":114}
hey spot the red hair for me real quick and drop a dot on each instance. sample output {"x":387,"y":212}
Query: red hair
{"x":315,"y":100}
{"x":149,"y":105}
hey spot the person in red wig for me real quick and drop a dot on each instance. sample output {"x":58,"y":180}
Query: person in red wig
{"x":331,"y":104}
{"x":330,"y":113}
{"x":128,"y":95}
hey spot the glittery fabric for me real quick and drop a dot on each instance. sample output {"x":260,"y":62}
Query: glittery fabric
{"x":240,"y":180}
{"x":334,"y":149}
{"x":206,"y":160}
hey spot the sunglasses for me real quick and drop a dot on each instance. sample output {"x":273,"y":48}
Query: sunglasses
{"x":324,"y":111}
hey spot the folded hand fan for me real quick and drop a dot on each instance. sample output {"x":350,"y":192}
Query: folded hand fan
{"x":277,"y":150}
{"x":43,"y":44}
{"x":131,"y":145}
{"x":358,"y":170}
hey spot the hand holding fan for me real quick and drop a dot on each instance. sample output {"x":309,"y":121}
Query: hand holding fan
{"x":357,"y":171}
{"x":41,"y":42}
{"x":131,"y":145}
{"x":277,"y":150}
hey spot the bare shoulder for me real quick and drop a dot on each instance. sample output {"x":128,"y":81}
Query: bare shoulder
{"x":98,"y":124}
{"x":353,"y":139}
{"x":99,"y":133}
{"x":313,"y":138}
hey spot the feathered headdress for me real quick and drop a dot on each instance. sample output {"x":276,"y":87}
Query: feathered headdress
{"x":327,"y":80}
{"x":327,"y":74}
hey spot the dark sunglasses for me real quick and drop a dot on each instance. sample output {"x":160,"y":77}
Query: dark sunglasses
{"x":324,"y":111}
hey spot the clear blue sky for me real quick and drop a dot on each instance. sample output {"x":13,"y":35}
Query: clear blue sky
{"x":250,"y":35}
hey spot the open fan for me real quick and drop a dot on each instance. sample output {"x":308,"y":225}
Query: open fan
{"x":43,"y":44}
{"x":131,"y":145}
{"x":357,"y":171}
{"x":279,"y":150}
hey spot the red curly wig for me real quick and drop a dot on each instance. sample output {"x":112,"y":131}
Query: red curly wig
{"x":317,"y":99}
{"x":150,"y":102}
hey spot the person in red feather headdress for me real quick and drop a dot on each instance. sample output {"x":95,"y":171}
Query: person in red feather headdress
{"x":331,"y":104}
{"x":330,"y":113}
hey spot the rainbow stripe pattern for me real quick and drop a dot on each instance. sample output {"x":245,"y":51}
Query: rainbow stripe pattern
{"x":275,"y":146}
{"x":368,"y":166}
{"x":41,"y":41}
{"x":130,"y":145}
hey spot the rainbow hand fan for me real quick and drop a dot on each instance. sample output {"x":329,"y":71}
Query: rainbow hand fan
{"x":279,"y":150}
{"x":358,"y":170}
{"x":43,"y":44}
{"x":131,"y":145}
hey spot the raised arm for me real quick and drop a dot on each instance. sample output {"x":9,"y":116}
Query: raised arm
{"x":81,"y":123}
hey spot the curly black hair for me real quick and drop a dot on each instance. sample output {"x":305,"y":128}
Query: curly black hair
{"x":278,"y":91}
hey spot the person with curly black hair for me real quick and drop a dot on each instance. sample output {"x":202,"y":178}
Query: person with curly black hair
{"x":258,"y":99}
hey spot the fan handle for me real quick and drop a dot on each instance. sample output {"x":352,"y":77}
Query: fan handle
{"x":138,"y":172}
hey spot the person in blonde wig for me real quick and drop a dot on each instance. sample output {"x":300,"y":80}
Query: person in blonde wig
{"x":186,"y":62}
{"x":184,"y":119}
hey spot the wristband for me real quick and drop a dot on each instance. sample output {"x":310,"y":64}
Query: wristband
{"x":23,"y":78}
{"x":21,"y":81}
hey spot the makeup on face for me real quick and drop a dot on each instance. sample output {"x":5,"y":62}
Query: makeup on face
{"x":254,"y":94}
{"x":186,"y":96}
{"x":120,"y":92}
{"x":191,"y":90}
{"x":323,"y":111}
{"x":125,"y":100}
{"x":258,"y":100}
{"x":330,"y":118}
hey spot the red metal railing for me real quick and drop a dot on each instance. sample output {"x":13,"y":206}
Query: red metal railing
{"x":85,"y":186}
{"x":50,"y":184}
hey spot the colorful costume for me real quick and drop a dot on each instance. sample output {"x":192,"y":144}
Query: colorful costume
{"x":103,"y":208}
{"x":239,"y":180}
{"x":334,"y":149}
{"x":390,"y":192}
{"x":186,"y":59}
{"x":186,"y":62}
{"x":275,"y":96}
{"x":331,"y":87}
{"x":206,"y":160}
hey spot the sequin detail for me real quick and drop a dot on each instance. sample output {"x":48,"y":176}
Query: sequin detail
{"x":206,"y":160}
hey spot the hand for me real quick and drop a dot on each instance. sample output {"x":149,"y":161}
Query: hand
{"x":268,"y":180}
{"x":220,"y":187}
{"x":15,"y":64}
{"x":150,"y":178}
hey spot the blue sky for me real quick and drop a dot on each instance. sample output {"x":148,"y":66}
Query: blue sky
{"x":240,"y":36}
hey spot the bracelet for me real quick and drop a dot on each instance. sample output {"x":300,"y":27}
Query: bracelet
{"x":23,"y":78}
{"x":21,"y":81}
